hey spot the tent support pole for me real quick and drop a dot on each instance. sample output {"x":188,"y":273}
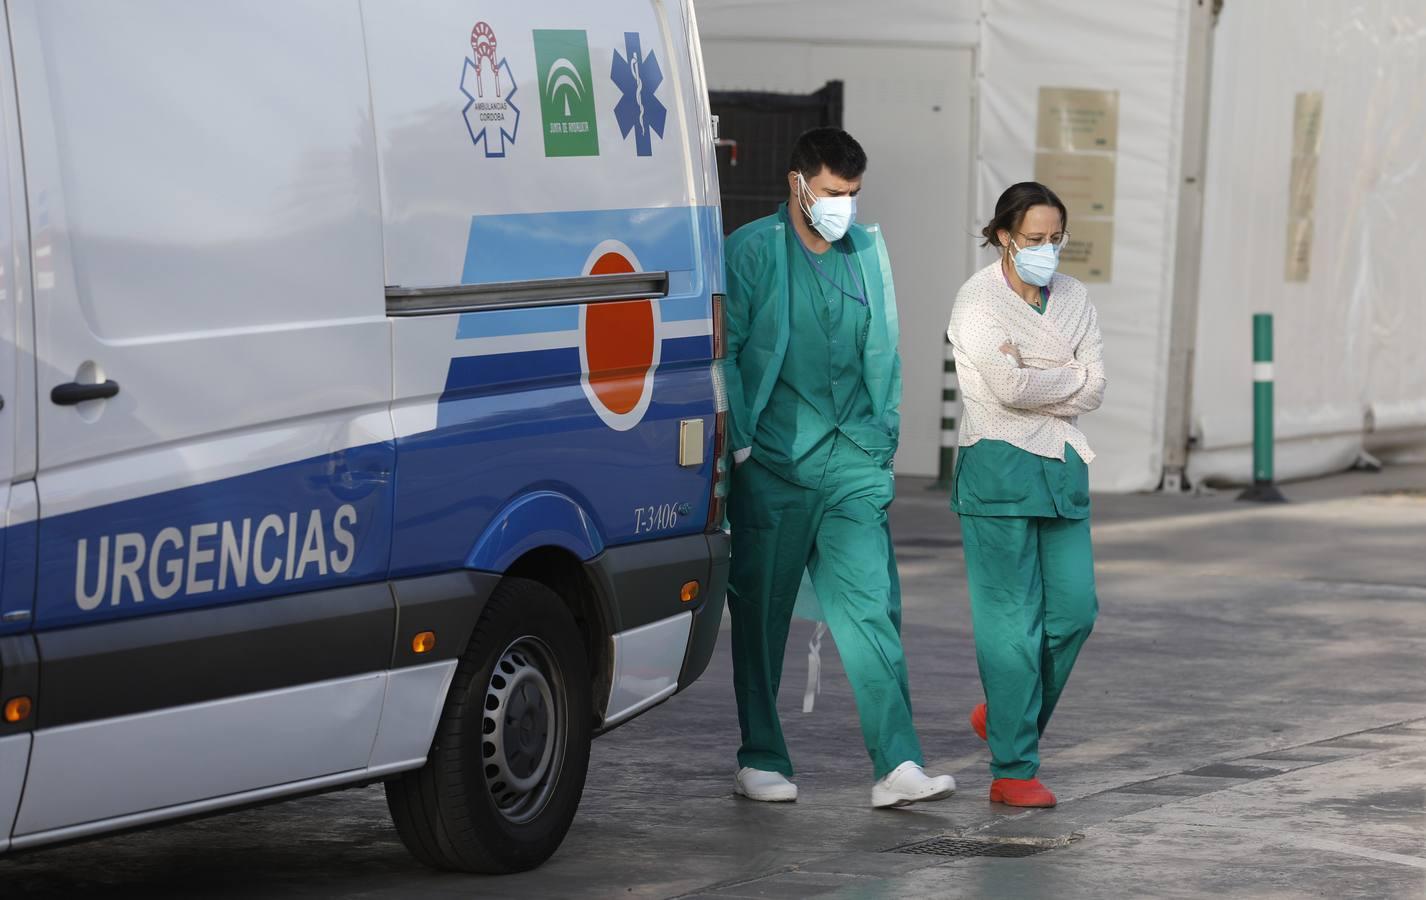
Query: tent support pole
{"x":1183,"y":325}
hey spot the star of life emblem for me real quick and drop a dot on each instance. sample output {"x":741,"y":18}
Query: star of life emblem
{"x":639,"y":111}
{"x":490,"y":113}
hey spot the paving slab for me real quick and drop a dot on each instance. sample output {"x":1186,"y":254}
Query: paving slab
{"x":1375,"y":802}
{"x":1161,"y":861}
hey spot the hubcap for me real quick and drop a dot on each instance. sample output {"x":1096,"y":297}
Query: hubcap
{"x":523,"y":728}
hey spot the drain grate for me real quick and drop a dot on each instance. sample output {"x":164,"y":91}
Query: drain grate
{"x":952,"y":847}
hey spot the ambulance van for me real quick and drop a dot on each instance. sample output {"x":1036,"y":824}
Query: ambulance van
{"x":361,"y":419}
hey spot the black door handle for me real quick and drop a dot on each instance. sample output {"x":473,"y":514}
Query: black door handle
{"x":74,"y":392}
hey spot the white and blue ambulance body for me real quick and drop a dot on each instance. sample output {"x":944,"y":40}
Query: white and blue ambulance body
{"x":360,"y":409}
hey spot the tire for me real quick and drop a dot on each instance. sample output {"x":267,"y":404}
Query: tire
{"x":507,"y":766}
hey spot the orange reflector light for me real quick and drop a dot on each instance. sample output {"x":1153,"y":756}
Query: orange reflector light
{"x":424,"y":642}
{"x":690,"y":592}
{"x":18,"y":709}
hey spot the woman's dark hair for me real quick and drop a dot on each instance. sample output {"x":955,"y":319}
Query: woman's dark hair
{"x":1010,"y":209}
{"x":830,"y":147}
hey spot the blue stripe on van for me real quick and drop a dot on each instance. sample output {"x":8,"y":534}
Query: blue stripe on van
{"x":524,"y":246}
{"x":686,"y":350}
{"x":507,"y":371}
{"x":518,"y":371}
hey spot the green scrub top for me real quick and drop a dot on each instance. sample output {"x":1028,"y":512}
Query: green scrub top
{"x":820,"y":390}
{"x":994,"y":478}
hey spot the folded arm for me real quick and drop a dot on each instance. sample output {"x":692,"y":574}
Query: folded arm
{"x":1090,"y":354}
{"x":977,"y":338}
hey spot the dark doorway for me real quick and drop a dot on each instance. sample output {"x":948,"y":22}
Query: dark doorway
{"x":756,"y":132}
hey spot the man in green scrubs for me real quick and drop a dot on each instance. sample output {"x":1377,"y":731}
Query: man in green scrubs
{"x":814,"y":387}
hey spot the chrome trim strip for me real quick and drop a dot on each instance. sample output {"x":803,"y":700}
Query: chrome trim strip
{"x":434,"y":301}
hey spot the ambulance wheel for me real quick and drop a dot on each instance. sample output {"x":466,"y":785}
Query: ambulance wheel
{"x":506,"y":769}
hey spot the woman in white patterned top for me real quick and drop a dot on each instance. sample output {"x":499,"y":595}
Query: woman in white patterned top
{"x":1030,"y":361}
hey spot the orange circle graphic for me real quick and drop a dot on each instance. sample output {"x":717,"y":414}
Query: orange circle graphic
{"x":618,"y":343}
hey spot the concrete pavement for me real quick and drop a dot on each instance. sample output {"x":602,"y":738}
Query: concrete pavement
{"x":1249,"y":720}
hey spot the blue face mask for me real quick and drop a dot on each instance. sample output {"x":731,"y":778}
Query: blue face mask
{"x":1036,"y":265}
{"x":830,"y":216}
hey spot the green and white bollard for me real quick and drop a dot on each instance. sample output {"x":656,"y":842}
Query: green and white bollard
{"x":1263,"y":490}
{"x":950,"y":421}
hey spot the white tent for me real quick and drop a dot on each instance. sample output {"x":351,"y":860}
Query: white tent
{"x":1203,"y":218}
{"x":1351,"y":339}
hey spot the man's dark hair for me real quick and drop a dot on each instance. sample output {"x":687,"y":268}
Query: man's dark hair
{"x":1010,"y":209}
{"x":830,"y":147}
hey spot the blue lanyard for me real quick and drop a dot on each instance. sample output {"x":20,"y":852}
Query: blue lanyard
{"x":860,"y":296}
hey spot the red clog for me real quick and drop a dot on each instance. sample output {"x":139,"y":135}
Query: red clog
{"x":977,"y":720}
{"x":1021,"y":792}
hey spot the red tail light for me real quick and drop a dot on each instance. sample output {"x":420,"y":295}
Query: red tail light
{"x":718,"y":490}
{"x":718,"y":333}
{"x":718,"y":493}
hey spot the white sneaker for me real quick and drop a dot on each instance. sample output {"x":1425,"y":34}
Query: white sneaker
{"x":908,"y":783}
{"x":770,"y":787}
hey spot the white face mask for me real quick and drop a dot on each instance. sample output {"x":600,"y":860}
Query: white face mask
{"x":1036,"y":265}
{"x":830,"y":216}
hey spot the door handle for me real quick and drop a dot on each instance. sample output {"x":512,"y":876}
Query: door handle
{"x":74,"y":392}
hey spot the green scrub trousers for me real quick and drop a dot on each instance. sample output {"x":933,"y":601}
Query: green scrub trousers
{"x":1030,"y":568}
{"x":839,"y":533}
{"x":813,"y":497}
